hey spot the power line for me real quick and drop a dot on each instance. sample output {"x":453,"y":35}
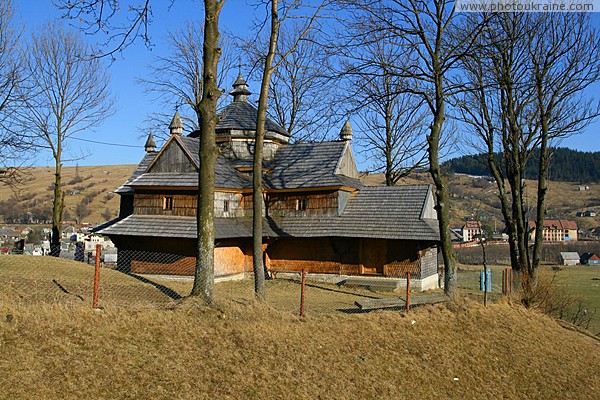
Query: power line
{"x":106,"y":143}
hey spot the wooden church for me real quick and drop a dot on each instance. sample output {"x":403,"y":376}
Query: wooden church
{"x":318,"y":215}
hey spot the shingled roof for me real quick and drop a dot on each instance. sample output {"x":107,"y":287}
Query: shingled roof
{"x":295,"y":166}
{"x":240,"y":115}
{"x":307,"y":165}
{"x":375,"y":212}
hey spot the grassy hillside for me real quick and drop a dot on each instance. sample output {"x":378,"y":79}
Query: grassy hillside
{"x":60,"y":348}
{"x":89,"y":186}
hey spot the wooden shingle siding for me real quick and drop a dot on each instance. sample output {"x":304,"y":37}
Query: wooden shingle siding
{"x":234,"y":205}
{"x":429,"y":262}
{"x":153,"y":204}
{"x":399,"y":269}
{"x":301,"y":204}
{"x":183,"y":266}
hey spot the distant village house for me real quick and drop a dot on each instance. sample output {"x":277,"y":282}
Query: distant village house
{"x":590,"y":259}
{"x":471,"y":231}
{"x":558,"y":230}
{"x":569,"y":258}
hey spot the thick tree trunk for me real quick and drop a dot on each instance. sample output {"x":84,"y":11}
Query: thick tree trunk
{"x":257,"y":192}
{"x":57,"y":207}
{"x":505,"y":206}
{"x":208,"y":152}
{"x":441,"y":192}
{"x":541,"y":203}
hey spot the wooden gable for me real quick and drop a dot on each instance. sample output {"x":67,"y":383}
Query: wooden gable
{"x":346,"y":165}
{"x":429,"y":206}
{"x":172,"y":158}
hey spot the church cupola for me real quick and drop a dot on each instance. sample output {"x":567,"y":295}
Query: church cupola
{"x":150,"y":145}
{"x":346,"y":132}
{"x":240,"y":90}
{"x":176,"y":126}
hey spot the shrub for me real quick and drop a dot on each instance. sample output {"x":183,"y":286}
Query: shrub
{"x":557,"y":302}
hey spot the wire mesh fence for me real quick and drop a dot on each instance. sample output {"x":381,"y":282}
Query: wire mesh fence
{"x":142,"y":280}
{"x":150,"y":280}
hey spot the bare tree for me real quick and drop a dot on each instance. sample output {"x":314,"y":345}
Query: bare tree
{"x":268,"y":70}
{"x":526,"y":84}
{"x":103,"y":16}
{"x":66,"y":93}
{"x":565,"y":58}
{"x":303,"y":94}
{"x":120,"y":22}
{"x":391,"y":119}
{"x":14,"y":146}
{"x":431,"y":30}
{"x":257,"y":192}
{"x":499,"y":108}
{"x":207,"y":153}
{"x":176,"y":79}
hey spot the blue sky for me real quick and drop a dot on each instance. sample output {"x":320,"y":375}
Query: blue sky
{"x":133,"y":106}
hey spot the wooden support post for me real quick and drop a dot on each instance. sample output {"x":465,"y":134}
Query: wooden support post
{"x":408,"y":291}
{"x":302,"y":293}
{"x":509,"y":281}
{"x":96,"y":276}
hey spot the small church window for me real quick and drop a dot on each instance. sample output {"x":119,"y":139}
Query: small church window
{"x":300,"y":204}
{"x":167,"y":203}
{"x":225,"y":205}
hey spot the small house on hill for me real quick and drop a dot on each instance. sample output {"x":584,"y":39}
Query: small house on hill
{"x":590,"y":259}
{"x":569,"y":258}
{"x":319,"y":216}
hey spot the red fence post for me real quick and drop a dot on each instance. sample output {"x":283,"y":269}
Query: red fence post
{"x":408,"y":291}
{"x":302,"y":293}
{"x":96,"y":276}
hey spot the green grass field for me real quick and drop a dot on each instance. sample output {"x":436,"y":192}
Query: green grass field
{"x":581,"y":282}
{"x":584,"y":283}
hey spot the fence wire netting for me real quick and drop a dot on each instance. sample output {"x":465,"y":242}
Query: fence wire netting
{"x":154,"y":280}
{"x":147,"y":280}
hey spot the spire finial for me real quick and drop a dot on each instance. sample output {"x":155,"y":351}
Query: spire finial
{"x":150,"y":145}
{"x":346,"y":132}
{"x":240,"y":90}
{"x":176,"y":126}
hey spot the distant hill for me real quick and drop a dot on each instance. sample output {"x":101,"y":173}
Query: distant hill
{"x":567,"y":165}
{"x":89,"y":194}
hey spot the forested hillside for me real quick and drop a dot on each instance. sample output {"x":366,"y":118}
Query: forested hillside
{"x":567,"y":165}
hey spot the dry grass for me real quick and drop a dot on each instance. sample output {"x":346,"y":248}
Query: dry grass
{"x":43,"y":280}
{"x":59,"y":348}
